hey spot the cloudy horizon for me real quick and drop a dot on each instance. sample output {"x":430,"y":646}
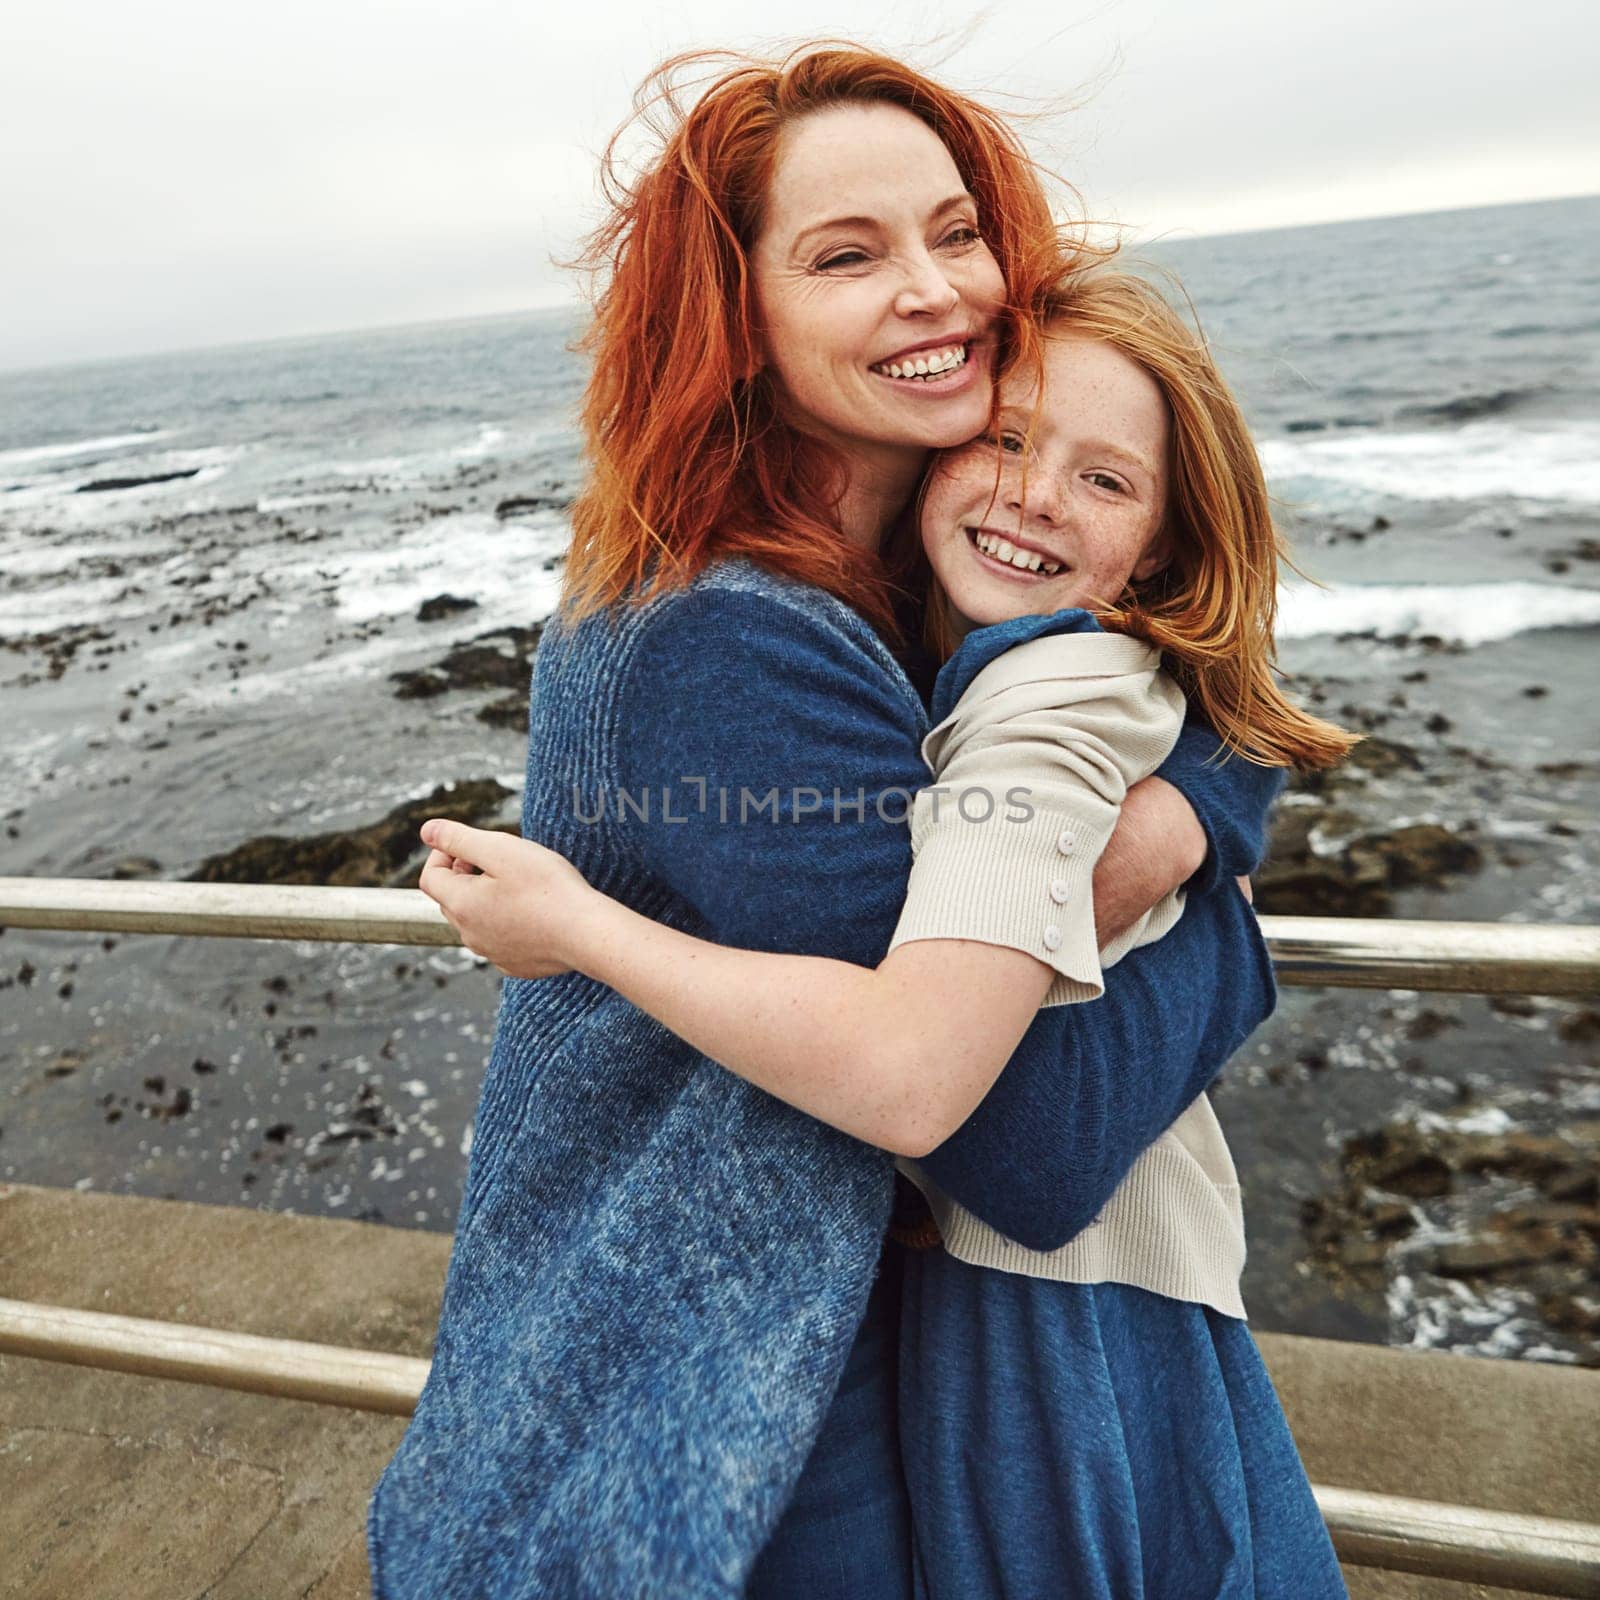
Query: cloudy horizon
{"x":328,"y":168}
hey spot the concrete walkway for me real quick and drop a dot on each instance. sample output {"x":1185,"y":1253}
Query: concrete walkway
{"x":124,"y":1488}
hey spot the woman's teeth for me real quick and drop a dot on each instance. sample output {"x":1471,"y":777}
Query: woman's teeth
{"x":925,"y":364}
{"x":1024,"y":560}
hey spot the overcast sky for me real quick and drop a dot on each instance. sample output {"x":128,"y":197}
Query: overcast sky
{"x":175,"y":174}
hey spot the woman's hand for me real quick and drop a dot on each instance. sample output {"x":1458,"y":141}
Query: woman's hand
{"x":513,"y":902}
{"x":1157,"y":846}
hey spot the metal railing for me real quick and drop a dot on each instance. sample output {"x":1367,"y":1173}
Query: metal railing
{"x":1540,"y":1555}
{"x":1341,"y":952}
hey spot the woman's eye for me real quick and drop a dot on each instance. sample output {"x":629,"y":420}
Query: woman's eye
{"x":845,"y":258}
{"x":960,"y":238}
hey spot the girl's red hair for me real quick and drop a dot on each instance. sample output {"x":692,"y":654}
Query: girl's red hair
{"x":1212,"y":608}
{"x":689,"y":459}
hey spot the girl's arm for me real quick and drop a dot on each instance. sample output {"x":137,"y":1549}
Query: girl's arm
{"x":898,"y":1055}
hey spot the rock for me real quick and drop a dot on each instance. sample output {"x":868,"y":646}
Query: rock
{"x":1513,"y":1005}
{"x":500,"y":659}
{"x":511,"y":712}
{"x":1550,"y":1214}
{"x":1424,"y":855}
{"x":1391,"y":1219}
{"x":100,"y":485}
{"x":1572,"y":1313}
{"x":440,"y":606}
{"x":1582,"y":1027}
{"x":135,"y":867}
{"x":1429,"y":1024}
{"x":383,"y":854}
{"x":1357,"y":880}
{"x":1362,"y":1254}
{"x":1399,"y":1160}
{"x":1577,"y":1186}
{"x":1475,"y":1258}
{"x":518,"y":504}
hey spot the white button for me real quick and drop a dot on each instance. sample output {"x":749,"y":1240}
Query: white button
{"x":1065,"y":843}
{"x":1058,"y":891}
{"x":1052,"y":937}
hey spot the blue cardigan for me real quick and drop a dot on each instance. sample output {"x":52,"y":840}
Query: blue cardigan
{"x":659,"y":1269}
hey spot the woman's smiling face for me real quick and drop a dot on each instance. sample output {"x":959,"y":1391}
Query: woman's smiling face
{"x":1079,"y":509}
{"x":875,"y":290}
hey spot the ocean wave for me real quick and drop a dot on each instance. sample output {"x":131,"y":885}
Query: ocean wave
{"x":1467,"y":613}
{"x":79,"y":447}
{"x":1472,"y":407}
{"x":1556,"y":462}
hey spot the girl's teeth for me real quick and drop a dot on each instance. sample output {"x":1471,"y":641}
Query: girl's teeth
{"x":1024,"y":560}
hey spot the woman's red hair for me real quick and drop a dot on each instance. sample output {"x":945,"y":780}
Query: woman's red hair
{"x":689,"y":459}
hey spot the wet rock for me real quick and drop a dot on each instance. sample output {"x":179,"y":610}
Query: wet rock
{"x":510,"y":712}
{"x":1547,"y":1247}
{"x":1429,"y":1024}
{"x":1398,"y":1159}
{"x":519,"y":504}
{"x":59,"y":646}
{"x":384,"y":854}
{"x":1487,"y":1257}
{"x":1359,"y":878}
{"x":135,"y":867}
{"x":441,"y":606}
{"x":499,"y":659}
{"x":100,"y":485}
{"x":1583,"y":1027}
{"x":1572,"y":1313}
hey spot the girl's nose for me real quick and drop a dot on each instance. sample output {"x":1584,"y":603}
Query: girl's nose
{"x":1037,"y":495}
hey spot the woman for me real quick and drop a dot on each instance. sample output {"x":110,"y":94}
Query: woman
{"x":663,"y":1365}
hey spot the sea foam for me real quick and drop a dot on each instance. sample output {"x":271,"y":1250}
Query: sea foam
{"x":1468,"y":613}
{"x":78,"y":447}
{"x":1554,"y":462}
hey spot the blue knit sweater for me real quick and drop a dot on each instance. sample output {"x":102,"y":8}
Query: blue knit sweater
{"x":658,"y":1268}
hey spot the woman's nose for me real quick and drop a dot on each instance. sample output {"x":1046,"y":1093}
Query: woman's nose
{"x":926,"y":291}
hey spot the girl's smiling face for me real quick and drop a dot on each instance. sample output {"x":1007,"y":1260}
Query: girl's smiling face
{"x":1078,"y":510}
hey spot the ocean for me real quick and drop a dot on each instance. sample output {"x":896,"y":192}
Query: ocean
{"x":190,"y":663}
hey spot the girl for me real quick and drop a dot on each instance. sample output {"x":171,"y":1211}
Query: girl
{"x":1092,"y":1418}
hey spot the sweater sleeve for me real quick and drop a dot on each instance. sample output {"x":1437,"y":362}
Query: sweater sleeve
{"x":1091,"y":1087}
{"x":1231,"y":797}
{"x":805,"y":748}
{"x":1049,"y":760}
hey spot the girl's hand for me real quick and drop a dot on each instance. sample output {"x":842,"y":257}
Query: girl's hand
{"x":513,"y":902}
{"x":1244,"y":889}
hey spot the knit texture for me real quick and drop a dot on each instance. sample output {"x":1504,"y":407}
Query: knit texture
{"x":659,"y":1269}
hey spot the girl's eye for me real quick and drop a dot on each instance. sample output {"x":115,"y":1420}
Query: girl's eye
{"x":1104,"y":480}
{"x":1011,"y":444}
